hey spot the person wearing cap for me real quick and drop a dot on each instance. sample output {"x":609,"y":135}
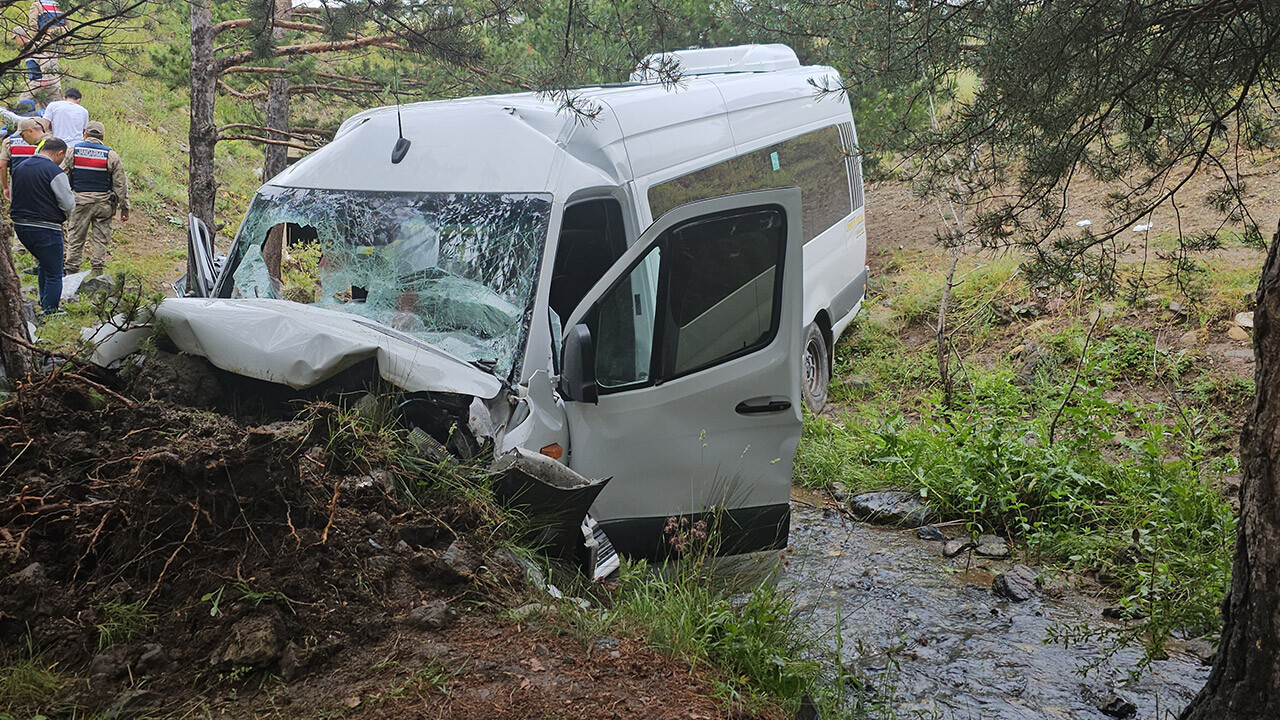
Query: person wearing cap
{"x":26,"y":143}
{"x":100,"y":185}
{"x":42,"y":198}
{"x":44,"y":81}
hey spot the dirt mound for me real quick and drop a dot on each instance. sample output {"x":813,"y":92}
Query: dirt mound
{"x":225,"y":547}
{"x":160,"y":558}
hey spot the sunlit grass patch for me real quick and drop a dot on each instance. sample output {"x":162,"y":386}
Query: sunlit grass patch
{"x":914,"y":291}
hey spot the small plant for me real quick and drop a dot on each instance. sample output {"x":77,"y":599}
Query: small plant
{"x":685,"y":538}
{"x":123,"y":622}
{"x":26,"y":686}
{"x":248,"y":594}
{"x":744,"y":626}
{"x":214,"y":598}
{"x":431,"y":677}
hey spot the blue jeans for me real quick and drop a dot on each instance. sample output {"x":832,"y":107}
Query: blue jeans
{"x":46,"y":247}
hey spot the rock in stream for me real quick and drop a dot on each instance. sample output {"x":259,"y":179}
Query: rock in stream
{"x":890,"y":507}
{"x":1018,"y":584}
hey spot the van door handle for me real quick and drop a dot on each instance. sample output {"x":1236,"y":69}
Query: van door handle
{"x":771,"y":407}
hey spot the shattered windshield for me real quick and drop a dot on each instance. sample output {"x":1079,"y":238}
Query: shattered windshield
{"x":456,"y":270}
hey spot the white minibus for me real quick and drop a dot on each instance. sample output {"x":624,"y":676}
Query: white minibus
{"x":647,"y":294}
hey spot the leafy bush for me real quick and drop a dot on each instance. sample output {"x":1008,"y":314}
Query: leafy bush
{"x":1141,"y":515}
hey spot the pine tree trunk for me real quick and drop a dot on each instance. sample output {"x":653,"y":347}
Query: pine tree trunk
{"x":1245,"y":681}
{"x":203,"y":136}
{"x":276,"y":157}
{"x":18,"y":362}
{"x":275,"y":160}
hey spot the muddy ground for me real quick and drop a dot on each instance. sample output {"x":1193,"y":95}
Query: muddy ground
{"x":168,"y":561}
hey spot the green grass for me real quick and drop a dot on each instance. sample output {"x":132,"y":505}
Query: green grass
{"x":431,"y":678}
{"x":123,"y":622}
{"x":27,"y":687}
{"x":746,"y":630}
{"x":1137,"y":456}
{"x":1231,"y":289}
{"x":914,"y":290}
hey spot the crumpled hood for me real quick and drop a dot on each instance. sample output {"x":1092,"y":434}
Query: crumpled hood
{"x":301,"y":346}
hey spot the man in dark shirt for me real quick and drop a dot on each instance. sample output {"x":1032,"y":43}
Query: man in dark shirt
{"x":41,"y":199}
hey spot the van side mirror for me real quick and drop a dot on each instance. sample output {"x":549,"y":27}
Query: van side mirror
{"x":578,"y":369}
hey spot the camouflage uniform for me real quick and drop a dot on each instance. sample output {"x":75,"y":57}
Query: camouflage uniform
{"x":101,"y":187}
{"x":44,"y":81}
{"x":45,"y":12}
{"x":14,"y":150}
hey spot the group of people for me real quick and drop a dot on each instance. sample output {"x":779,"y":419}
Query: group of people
{"x":57,"y":172}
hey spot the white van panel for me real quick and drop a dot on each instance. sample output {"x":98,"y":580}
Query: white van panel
{"x":673,"y":128}
{"x":762,"y":113}
{"x":474,"y":147}
{"x":704,"y":61}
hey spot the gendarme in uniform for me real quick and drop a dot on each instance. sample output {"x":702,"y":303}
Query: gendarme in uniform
{"x":20,"y":150}
{"x":18,"y":147}
{"x":101,"y":186}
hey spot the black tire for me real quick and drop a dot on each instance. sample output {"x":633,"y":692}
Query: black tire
{"x":815,"y":373}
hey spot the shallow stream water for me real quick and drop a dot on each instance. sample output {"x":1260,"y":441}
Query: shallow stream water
{"x":929,"y":631}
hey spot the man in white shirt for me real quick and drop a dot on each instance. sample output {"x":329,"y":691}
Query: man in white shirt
{"x":68,"y":117}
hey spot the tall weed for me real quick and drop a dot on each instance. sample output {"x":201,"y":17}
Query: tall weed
{"x":1118,"y":492}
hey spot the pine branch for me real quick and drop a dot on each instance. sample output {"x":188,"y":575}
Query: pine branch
{"x":249,"y":69}
{"x":275,"y":131}
{"x":317,"y":48}
{"x":319,"y":87}
{"x":268,"y":141}
{"x":284,"y":24}
{"x":242,"y":95}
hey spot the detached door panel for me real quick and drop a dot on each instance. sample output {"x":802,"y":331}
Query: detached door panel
{"x":697,"y":340}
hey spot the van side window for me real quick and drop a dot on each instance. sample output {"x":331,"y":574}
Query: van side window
{"x":592,"y":237}
{"x":724,"y":293}
{"x":708,"y":292}
{"x":815,"y":162}
{"x":625,"y":326}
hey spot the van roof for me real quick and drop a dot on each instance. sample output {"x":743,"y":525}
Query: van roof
{"x":526,"y":142}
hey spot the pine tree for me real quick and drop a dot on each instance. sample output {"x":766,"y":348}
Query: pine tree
{"x":1141,"y":94}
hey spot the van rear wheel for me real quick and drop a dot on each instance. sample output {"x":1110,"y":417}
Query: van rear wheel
{"x":817,"y":369}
